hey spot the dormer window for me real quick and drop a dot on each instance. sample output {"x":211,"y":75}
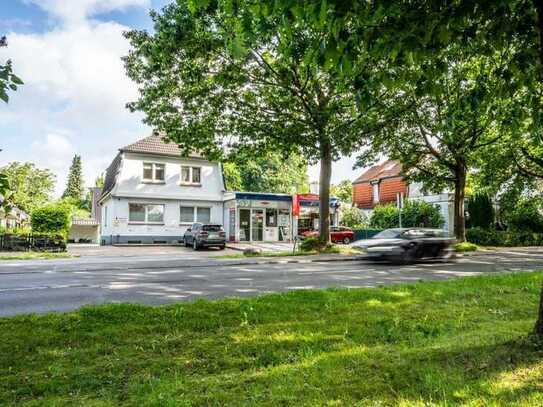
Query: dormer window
{"x":153,"y":172}
{"x":190,"y":175}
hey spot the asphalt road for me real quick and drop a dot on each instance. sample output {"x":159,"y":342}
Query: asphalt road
{"x":63,"y":285}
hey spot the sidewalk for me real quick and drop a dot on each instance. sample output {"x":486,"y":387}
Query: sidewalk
{"x":268,"y":247}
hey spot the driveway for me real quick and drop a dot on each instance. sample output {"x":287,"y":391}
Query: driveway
{"x":63,"y":285}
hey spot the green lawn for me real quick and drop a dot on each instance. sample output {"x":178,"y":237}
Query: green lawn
{"x":450,"y":343}
{"x":336,"y":249}
{"x":34,"y":256}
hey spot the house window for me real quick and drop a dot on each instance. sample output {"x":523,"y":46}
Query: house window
{"x":190,"y":175}
{"x":190,"y":214}
{"x":375,"y":192}
{"x":186,"y":214}
{"x":145,"y":213}
{"x":153,"y":172}
{"x":203,"y":215}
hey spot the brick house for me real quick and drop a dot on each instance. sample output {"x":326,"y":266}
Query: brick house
{"x":379,"y":184}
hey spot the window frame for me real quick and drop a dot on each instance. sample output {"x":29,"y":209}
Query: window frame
{"x":153,"y":179}
{"x":146,"y":215}
{"x":191,"y":181}
{"x":194,"y":214}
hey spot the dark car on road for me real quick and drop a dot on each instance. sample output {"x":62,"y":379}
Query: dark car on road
{"x":408,"y":245}
{"x":338,"y":234}
{"x":205,"y":235}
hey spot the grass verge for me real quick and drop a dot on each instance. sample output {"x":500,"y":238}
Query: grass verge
{"x":335,"y":249}
{"x":461,"y":342}
{"x":35,"y":256}
{"x":465,"y":247}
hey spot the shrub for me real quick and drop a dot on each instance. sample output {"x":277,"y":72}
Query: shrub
{"x":465,"y":247}
{"x":414,"y":214}
{"x":527,"y":216}
{"x":481,"y":211}
{"x":492,"y":237}
{"x":385,"y":217}
{"x":354,"y":218}
{"x":52,"y":219}
{"x":310,"y":244}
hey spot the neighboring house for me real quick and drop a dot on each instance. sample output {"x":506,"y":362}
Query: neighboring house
{"x":152,"y":194}
{"x":14,"y":218}
{"x":382,"y":183}
{"x":379,"y":185}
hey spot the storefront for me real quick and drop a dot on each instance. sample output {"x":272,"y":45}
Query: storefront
{"x":258,"y":217}
{"x":305,"y":213}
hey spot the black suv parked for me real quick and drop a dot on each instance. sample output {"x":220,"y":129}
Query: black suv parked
{"x":205,"y":235}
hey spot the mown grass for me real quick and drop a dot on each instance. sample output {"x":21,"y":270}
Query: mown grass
{"x":461,"y":342}
{"x":35,"y":256}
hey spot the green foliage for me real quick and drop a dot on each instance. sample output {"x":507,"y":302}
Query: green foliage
{"x":481,"y":211}
{"x":465,"y":247}
{"x":441,"y":343}
{"x":8,"y":80}
{"x":414,"y":214}
{"x":266,"y":172}
{"x":52,"y":218}
{"x":527,"y":216}
{"x":385,"y":217}
{"x":507,"y":238}
{"x":74,"y":186}
{"x":310,"y":244}
{"x":30,"y":187}
{"x":353,"y":218}
{"x":343,"y":191}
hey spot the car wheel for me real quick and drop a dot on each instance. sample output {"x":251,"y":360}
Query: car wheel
{"x":221,"y":247}
{"x":195,"y":244}
{"x":346,"y":240}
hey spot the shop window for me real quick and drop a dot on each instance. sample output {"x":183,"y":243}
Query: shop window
{"x":153,"y":172}
{"x":271,"y":217}
{"x":145,"y":213}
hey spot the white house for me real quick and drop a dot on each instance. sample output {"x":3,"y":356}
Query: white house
{"x":152,"y":194}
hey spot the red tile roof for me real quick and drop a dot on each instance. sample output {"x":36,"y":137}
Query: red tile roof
{"x":390,"y":168}
{"x":155,"y":144}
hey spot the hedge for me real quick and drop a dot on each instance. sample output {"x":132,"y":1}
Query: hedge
{"x":35,"y":241}
{"x":414,"y":214}
{"x":508,"y":238}
{"x":52,"y":219}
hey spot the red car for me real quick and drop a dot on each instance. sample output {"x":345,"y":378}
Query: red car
{"x":340,"y":234}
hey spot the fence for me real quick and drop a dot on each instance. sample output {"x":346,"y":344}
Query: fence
{"x":27,"y":242}
{"x":365,"y":233}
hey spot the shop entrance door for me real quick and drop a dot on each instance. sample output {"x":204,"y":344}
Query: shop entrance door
{"x":257,"y":225}
{"x":244,"y":225}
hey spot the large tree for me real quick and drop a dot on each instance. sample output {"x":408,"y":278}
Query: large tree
{"x":74,"y":185}
{"x":268,"y":172}
{"x":258,"y":75}
{"x":31,"y":187}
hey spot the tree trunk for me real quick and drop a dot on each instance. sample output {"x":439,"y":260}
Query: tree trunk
{"x":538,"y":329}
{"x":324,"y":191}
{"x":459,"y":195}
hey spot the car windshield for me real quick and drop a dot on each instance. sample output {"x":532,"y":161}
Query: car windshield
{"x":212,"y":228}
{"x":387,"y":234}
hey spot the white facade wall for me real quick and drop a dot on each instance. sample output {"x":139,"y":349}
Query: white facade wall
{"x":131,"y":188}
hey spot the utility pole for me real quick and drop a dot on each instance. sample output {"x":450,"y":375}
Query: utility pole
{"x":399,"y":204}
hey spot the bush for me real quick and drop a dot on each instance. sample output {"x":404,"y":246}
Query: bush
{"x":52,"y":219}
{"x":507,"y":238}
{"x":527,"y":216}
{"x":311,"y":244}
{"x":465,"y":247}
{"x":481,"y":211}
{"x":354,"y":218}
{"x":414,"y":214}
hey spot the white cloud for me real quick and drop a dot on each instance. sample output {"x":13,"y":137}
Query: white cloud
{"x":75,"y":91}
{"x":78,"y":10}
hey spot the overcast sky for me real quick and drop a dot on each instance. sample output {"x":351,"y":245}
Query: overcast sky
{"x":73,"y":102}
